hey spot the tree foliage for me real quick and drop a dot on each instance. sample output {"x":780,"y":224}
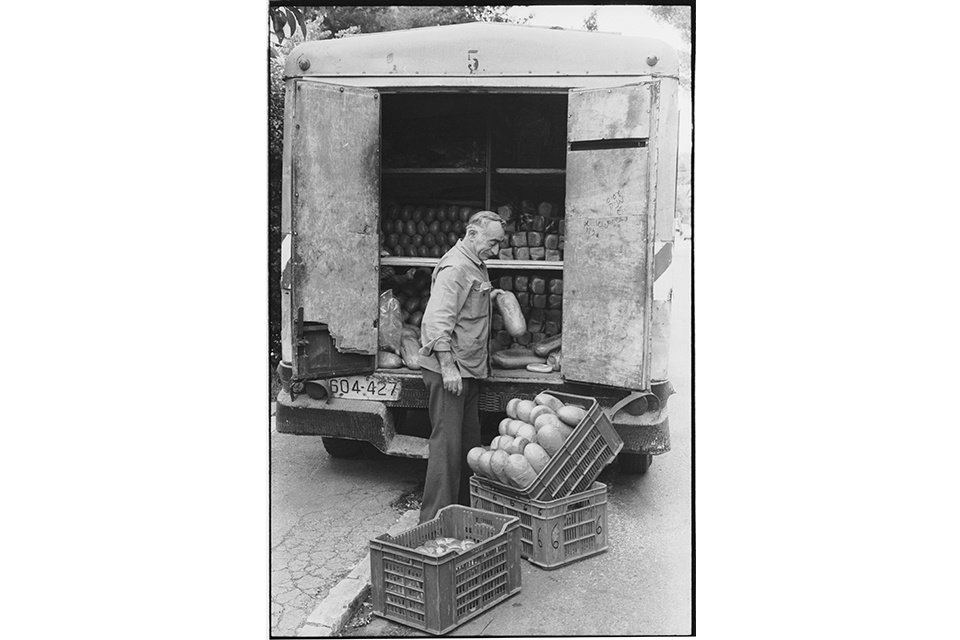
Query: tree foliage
{"x":284,"y":22}
{"x":677,"y":16}
{"x":375,"y":19}
{"x":686,"y":70}
{"x":590,"y":23}
{"x":680,"y":17}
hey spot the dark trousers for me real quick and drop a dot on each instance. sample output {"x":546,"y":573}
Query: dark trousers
{"x":455,"y":422}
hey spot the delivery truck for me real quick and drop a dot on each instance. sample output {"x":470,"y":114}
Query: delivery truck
{"x":392,"y":140}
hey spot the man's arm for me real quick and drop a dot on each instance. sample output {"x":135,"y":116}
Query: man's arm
{"x":447,"y":297}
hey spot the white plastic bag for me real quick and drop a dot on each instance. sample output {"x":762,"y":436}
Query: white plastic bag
{"x":391,"y":322}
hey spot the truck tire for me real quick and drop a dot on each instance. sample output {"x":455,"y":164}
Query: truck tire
{"x":635,"y":463}
{"x":340,"y":448}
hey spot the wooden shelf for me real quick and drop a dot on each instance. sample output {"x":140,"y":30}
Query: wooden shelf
{"x":398,"y":261}
{"x":532,"y":172}
{"x":475,"y":170}
{"x":434,"y":171}
{"x":496,"y":374}
{"x":507,"y":375}
{"x":527,"y":265}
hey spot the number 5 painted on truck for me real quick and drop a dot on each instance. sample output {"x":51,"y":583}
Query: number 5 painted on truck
{"x":473,"y":63}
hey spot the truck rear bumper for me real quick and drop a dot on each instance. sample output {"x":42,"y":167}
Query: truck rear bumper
{"x":348,"y":419}
{"x":373,"y":421}
{"x":653,"y":439}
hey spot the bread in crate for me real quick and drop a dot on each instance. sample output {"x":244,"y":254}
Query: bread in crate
{"x":574,"y":433}
{"x":439,"y":592}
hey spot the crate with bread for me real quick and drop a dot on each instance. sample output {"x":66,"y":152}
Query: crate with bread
{"x":542,"y":468}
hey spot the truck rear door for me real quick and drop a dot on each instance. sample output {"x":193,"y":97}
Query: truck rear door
{"x":334,"y":163}
{"x":608,"y":250}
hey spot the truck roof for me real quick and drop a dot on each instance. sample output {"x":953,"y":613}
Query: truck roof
{"x":483,"y":49}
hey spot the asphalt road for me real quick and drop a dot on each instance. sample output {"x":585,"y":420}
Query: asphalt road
{"x":324,"y":511}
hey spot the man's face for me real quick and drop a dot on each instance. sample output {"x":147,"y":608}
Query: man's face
{"x":487,"y":241}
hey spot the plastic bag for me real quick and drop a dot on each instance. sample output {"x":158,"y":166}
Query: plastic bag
{"x":391,"y":322}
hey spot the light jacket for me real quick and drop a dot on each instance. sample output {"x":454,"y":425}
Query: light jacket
{"x":458,"y":314}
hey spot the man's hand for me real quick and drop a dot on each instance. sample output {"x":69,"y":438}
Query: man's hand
{"x":452,"y":381}
{"x":494,"y":293}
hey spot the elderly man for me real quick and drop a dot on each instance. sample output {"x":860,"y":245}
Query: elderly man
{"x":455,"y":333}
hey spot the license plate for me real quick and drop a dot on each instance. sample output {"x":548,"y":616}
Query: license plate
{"x":365,"y":388}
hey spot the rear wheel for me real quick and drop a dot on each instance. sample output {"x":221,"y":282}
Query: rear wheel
{"x":340,"y":448}
{"x":636,"y":463}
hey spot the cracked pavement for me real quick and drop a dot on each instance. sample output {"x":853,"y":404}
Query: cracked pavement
{"x":324,"y":511}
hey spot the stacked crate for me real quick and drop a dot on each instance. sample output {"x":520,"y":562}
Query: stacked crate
{"x":552,"y":532}
{"x":563,"y":511}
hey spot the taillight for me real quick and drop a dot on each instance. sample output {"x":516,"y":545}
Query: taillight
{"x":315,"y":390}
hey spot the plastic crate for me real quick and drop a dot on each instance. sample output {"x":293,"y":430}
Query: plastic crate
{"x":593,"y":445}
{"x":553,"y":533}
{"x":437,"y":594}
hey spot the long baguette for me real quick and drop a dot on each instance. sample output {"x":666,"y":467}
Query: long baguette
{"x":516,"y":358}
{"x":546,"y":347}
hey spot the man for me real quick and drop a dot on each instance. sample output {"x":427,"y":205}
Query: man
{"x":455,"y":332}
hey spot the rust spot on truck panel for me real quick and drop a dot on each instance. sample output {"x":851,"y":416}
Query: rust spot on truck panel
{"x":635,"y":112}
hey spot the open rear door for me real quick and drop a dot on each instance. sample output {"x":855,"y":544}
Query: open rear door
{"x":608,"y":245}
{"x":334,"y":161}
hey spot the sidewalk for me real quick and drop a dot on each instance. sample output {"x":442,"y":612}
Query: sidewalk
{"x":333,"y":613}
{"x":323,"y":511}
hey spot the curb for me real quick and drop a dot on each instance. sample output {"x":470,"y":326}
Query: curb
{"x":334,"y":612}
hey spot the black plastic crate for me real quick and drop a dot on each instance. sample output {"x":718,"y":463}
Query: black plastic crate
{"x":438,"y":594}
{"x":592,"y":445}
{"x":552,"y":533}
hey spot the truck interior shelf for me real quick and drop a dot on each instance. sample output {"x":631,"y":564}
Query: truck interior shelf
{"x":506,"y":375}
{"x":433,"y":170}
{"x":496,"y":375}
{"x":447,"y":156}
{"x":396,"y":261}
{"x":524,"y":264}
{"x":500,"y":170}
{"x":521,"y":171}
